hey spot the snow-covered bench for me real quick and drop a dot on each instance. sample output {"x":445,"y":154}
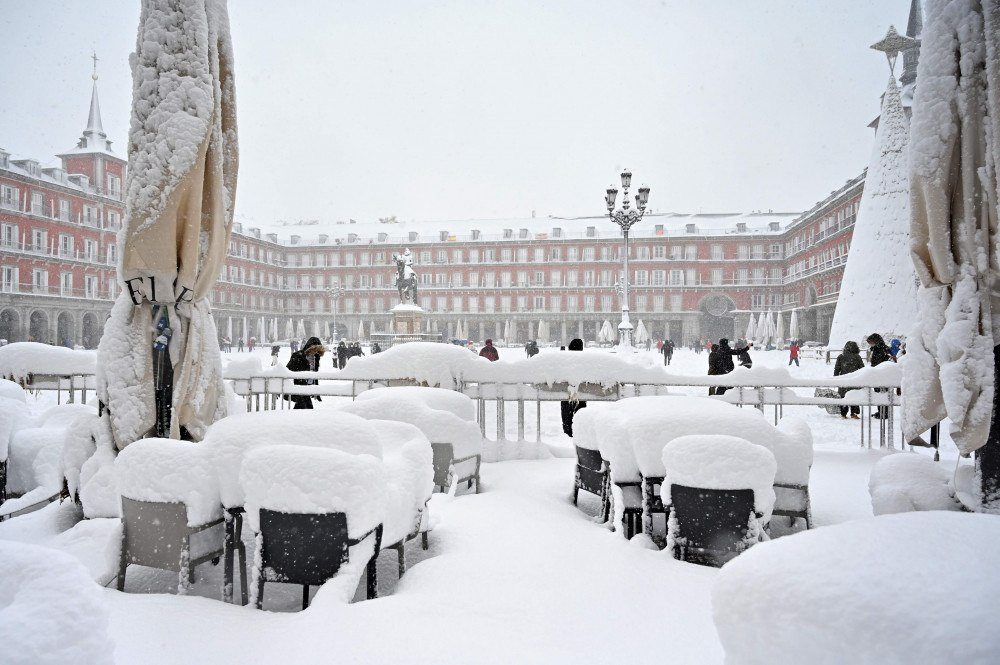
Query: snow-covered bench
{"x":317,"y":512}
{"x":457,"y":444}
{"x":171,"y":512}
{"x":719,"y":492}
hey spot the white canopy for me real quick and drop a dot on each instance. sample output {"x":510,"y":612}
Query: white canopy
{"x":641,"y":334}
{"x":793,"y":325}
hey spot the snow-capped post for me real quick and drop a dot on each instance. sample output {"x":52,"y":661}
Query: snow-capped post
{"x":953,"y":360}
{"x":179,"y":198}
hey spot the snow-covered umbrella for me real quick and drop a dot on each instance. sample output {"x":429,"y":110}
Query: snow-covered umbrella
{"x":317,"y":330}
{"x":606,"y":335}
{"x":179,"y":197}
{"x":751,"y":332}
{"x":229,"y":329}
{"x":543,"y":332}
{"x":300,"y":330}
{"x":262,"y":331}
{"x":289,"y":329}
{"x":779,"y":332}
{"x":245,"y":330}
{"x":361,"y":330}
{"x":641,"y":334}
{"x":274,"y":329}
{"x":793,"y":325}
{"x":954,"y":156}
{"x":506,"y":331}
{"x":761,"y":328}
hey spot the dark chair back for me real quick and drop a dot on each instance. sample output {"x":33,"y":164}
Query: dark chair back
{"x":302,"y":548}
{"x":590,"y":470}
{"x":443,"y":455}
{"x":714,"y":522}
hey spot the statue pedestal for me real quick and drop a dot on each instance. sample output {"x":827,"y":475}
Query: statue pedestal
{"x":407,"y":320}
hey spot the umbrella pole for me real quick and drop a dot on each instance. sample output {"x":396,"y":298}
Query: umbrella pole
{"x":163,"y":372}
{"x":988,"y":456}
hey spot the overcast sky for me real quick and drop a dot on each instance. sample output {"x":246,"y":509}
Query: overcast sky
{"x":470,"y":108}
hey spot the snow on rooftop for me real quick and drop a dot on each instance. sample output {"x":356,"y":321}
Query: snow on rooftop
{"x":669,"y":224}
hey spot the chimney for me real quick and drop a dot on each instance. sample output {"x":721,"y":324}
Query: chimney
{"x":294,"y":240}
{"x":272,"y":237}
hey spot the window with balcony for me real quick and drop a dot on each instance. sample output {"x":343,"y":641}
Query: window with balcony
{"x":9,"y":279}
{"x":456,"y":304}
{"x":66,"y":284}
{"x":588,"y":253}
{"x":555,"y":304}
{"x":90,"y":286}
{"x":572,"y":254}
{"x":89,"y":216}
{"x":743,"y":252}
{"x":571,"y":303}
{"x":716,"y":276}
{"x":39,"y":240}
{"x":489,"y":304}
{"x":606,"y":304}
{"x":40,"y":279}
{"x":588,"y":278}
{"x":522,"y":255}
{"x":8,"y":235}
{"x":10,"y":197}
{"x":539,"y":304}
{"x":676,"y":302}
{"x":658,"y":276}
{"x":641,"y":278}
{"x":571,"y":278}
{"x":489,"y":280}
{"x":522,"y":278}
{"x":640,"y":303}
{"x":717,"y":253}
{"x":522,"y":303}
{"x":539,"y":279}
{"x":676,"y":278}
{"x":506,"y":255}
{"x":112,"y":253}
{"x":65,"y":245}
{"x":37,"y":203}
{"x":658,"y":303}
{"x":505,"y":304}
{"x":555,"y":278}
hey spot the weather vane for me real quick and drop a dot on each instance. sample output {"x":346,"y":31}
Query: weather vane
{"x":93,"y":56}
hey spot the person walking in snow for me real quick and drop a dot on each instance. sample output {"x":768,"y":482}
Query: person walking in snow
{"x":342,"y":354}
{"x":667,"y":349}
{"x":489,"y":351}
{"x":847,"y":362}
{"x":878,"y":353}
{"x":275,"y":350}
{"x":568,"y":408}
{"x":304,"y":361}
{"x":376,"y":348}
{"x":532,"y":349}
{"x":252,"y":342}
{"x":240,"y":346}
{"x":743,"y":354}
{"x":793,"y":353}
{"x":894,"y":348}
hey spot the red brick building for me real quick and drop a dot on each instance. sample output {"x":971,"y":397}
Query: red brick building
{"x":692,"y":276}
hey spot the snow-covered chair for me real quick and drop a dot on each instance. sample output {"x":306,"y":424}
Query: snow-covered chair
{"x":33,"y":470}
{"x":314,"y":511}
{"x":592,"y":475}
{"x":599,"y":427}
{"x":719,"y":490}
{"x":441,"y":399}
{"x":457,"y":444}
{"x":649,"y":423}
{"x":230,"y":440}
{"x":171,"y":512}
{"x":13,"y":417}
{"x":409,"y":472}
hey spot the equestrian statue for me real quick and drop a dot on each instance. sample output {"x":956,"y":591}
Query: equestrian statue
{"x":406,"y":278}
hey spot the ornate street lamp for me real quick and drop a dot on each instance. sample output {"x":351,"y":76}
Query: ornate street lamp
{"x":626,"y":218}
{"x":336,"y":293}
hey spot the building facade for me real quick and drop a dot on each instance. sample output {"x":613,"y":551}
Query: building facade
{"x":692,"y":276}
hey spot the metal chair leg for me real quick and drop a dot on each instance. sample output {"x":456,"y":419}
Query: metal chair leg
{"x":305,"y":596}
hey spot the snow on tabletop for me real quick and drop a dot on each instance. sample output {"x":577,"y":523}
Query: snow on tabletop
{"x":243,"y":368}
{"x":229,"y":439}
{"x":827,"y":596}
{"x":77,"y":448}
{"x":436,"y":398}
{"x":571,"y":367}
{"x":50,"y":609}
{"x":20,"y":359}
{"x":720,"y":462}
{"x":906,"y":482}
{"x":306,"y":479}
{"x":10,"y":390}
{"x":425,"y":362}
{"x":437,"y":426}
{"x":170,"y":471}
{"x":409,"y":473}
{"x":631,"y":435}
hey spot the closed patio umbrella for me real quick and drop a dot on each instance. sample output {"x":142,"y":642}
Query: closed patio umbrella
{"x":229,"y":329}
{"x":300,"y":330}
{"x":361,"y":330}
{"x":951,"y":359}
{"x":262,"y":330}
{"x":779,"y":333}
{"x":793,"y":325}
{"x":761,"y":328}
{"x":289,"y":329}
{"x":641,"y":334}
{"x":159,"y":366}
{"x":751,"y":332}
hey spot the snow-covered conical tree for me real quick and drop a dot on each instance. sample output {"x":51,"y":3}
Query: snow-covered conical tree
{"x":879,"y":289}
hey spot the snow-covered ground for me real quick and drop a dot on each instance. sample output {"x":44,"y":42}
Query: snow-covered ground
{"x":514,"y":574}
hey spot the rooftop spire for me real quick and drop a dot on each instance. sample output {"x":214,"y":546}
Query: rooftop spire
{"x":94,"y":139}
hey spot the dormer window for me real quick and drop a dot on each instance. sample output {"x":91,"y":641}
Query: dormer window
{"x":591,"y":231}
{"x":413,"y":235}
{"x":508,"y":234}
{"x":691,"y":228}
{"x":476,"y":234}
{"x":557,"y":232}
{"x":523,"y":234}
{"x":382,"y":237}
{"x":443,"y":236}
{"x":741,"y":227}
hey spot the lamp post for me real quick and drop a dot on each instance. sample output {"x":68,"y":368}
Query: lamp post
{"x":626,"y":218}
{"x":336,"y":293}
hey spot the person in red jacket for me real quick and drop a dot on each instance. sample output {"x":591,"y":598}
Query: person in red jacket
{"x":793,"y":353}
{"x":490,"y":352}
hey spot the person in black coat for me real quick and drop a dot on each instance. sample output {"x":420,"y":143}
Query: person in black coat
{"x":720,"y":361}
{"x":304,"y":361}
{"x":743,"y":354}
{"x":567,"y":408}
{"x":668,"y":351}
{"x":341,"y":355}
{"x":847,"y":362}
{"x":531,"y":348}
{"x":878,"y":353}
